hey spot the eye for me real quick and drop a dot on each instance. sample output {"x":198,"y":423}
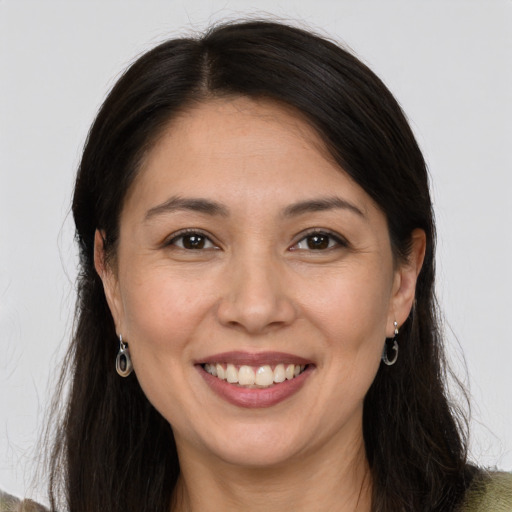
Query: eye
{"x":319,"y":241}
{"x":192,"y":240}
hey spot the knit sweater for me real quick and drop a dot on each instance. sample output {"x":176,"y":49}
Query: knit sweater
{"x":490,"y":493}
{"x":9,"y":503}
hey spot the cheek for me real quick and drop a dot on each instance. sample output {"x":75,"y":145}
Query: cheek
{"x":161,"y":313}
{"x":350,"y":304}
{"x":350,"y":310}
{"x":162,"y":318}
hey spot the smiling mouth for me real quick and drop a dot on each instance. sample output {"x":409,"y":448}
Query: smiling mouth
{"x":246,"y":376}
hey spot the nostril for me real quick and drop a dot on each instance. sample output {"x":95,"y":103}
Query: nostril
{"x":256,"y":313}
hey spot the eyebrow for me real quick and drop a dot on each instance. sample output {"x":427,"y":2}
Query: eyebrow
{"x":209,"y":207}
{"x":320,"y":205}
{"x":177,"y":203}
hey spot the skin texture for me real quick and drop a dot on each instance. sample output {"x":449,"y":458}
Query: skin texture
{"x":256,"y":285}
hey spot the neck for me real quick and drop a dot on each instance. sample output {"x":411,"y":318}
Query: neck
{"x":327,"y":480}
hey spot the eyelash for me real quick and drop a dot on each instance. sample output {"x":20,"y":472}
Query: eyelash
{"x":190,"y":232}
{"x":332,"y":237}
{"x":334,"y":240}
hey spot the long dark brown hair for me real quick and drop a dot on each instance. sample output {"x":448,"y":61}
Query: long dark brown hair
{"x":112,"y":450}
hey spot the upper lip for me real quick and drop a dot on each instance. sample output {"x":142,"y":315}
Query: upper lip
{"x":238,"y":357}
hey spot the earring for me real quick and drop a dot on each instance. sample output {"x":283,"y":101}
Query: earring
{"x":123,"y":361}
{"x":391,"y":344}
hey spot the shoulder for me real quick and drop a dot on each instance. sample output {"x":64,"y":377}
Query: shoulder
{"x":9,"y":503}
{"x":491,"y":491}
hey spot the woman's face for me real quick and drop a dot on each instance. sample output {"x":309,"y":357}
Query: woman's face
{"x":245,"y":250}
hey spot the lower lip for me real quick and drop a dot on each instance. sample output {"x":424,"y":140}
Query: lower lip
{"x":253,"y":398}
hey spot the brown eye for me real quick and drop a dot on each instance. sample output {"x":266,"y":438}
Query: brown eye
{"x":192,"y":241}
{"x":318,"y":241}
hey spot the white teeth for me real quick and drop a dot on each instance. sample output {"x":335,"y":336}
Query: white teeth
{"x":248,"y":376}
{"x":279,"y":373}
{"x":264,"y":376}
{"x":231,"y":374}
{"x":220,"y":371}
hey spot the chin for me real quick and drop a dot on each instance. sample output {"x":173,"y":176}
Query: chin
{"x":256,"y":446}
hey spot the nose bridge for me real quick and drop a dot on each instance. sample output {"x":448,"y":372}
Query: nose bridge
{"x":256,"y":298}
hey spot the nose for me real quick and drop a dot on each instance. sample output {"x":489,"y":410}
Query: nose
{"x":256,"y":299}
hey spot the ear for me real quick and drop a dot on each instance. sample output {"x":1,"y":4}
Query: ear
{"x":404,"y":285}
{"x":109,"y":279}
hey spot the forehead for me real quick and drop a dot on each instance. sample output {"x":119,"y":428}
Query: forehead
{"x":239,"y":126}
{"x":255,"y":149}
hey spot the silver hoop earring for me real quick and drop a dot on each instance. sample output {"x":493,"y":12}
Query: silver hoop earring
{"x":391,"y":344}
{"x":123,"y":361}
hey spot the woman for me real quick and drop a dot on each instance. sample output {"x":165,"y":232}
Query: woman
{"x":256,"y":324}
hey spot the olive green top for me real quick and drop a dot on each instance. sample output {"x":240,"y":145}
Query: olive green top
{"x":9,"y":503}
{"x":490,"y":493}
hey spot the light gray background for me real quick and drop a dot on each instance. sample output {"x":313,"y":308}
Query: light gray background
{"x":447,"y":61}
